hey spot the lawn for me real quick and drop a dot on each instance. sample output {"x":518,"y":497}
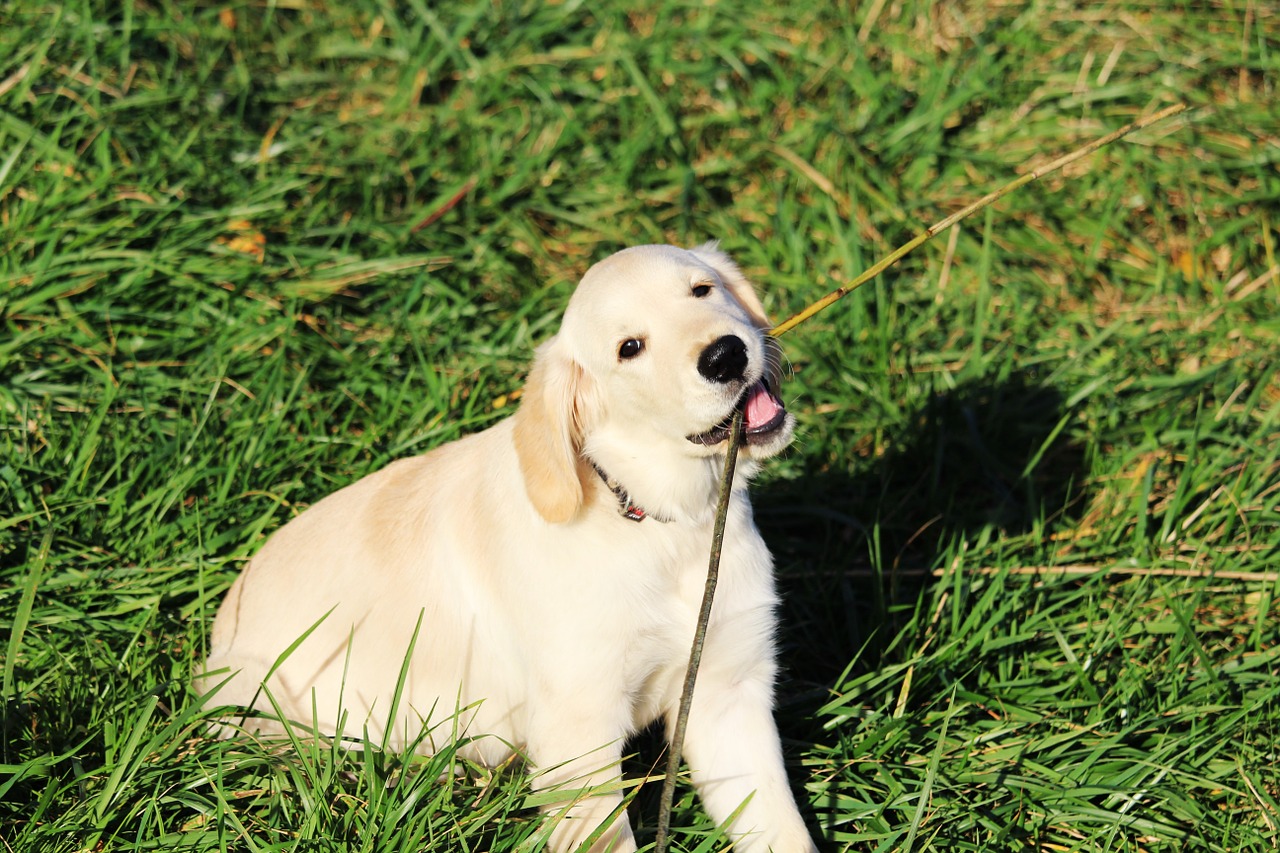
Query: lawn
{"x":1029,"y":531}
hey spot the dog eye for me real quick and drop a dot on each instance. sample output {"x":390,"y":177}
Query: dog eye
{"x":630,"y":348}
{"x":701,"y":290}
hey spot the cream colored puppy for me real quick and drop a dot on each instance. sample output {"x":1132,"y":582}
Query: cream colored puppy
{"x":551,"y":567}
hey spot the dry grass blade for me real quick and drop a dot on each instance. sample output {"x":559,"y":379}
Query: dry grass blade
{"x":967,"y":211}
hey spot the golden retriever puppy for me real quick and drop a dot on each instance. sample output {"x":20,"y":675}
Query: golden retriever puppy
{"x":547,"y":572}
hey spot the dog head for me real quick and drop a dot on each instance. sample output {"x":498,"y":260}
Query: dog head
{"x":658,"y":348}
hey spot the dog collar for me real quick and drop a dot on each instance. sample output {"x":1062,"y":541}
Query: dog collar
{"x":626,"y":508}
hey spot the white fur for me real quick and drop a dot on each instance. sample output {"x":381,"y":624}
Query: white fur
{"x":559,"y":627}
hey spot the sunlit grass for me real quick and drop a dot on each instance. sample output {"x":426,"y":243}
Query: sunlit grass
{"x":1028,"y":531}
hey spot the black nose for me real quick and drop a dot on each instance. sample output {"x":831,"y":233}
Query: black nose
{"x":724,"y":360}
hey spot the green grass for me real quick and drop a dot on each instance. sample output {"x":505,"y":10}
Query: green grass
{"x":1028,"y":533}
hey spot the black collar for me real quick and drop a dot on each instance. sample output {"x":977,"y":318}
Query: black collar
{"x":626,"y":507}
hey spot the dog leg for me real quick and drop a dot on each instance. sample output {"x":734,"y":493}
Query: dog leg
{"x":735,"y":757}
{"x":588,"y":790}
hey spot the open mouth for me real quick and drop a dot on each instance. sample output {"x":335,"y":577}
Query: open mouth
{"x":763,"y":414}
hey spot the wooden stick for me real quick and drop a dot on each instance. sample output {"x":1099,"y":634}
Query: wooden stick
{"x":964,"y":212}
{"x":736,"y":434}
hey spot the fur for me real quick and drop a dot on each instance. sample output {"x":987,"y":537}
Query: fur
{"x":545,"y":620}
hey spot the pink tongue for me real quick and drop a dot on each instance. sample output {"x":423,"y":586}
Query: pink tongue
{"x":762,"y":407}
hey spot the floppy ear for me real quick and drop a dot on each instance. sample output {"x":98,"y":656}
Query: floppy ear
{"x":550,"y":427}
{"x":713,"y":256}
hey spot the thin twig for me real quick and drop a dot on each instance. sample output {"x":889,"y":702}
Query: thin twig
{"x":699,"y":636}
{"x":942,"y":225}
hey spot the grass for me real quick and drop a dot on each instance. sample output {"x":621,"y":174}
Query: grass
{"x":1029,"y":531}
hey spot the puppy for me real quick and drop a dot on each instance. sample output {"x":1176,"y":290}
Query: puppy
{"x":547,"y":573}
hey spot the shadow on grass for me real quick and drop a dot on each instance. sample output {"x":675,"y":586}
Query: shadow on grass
{"x":855,"y":544}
